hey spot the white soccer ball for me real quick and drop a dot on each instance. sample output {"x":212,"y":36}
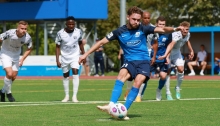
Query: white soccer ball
{"x":118,"y":111}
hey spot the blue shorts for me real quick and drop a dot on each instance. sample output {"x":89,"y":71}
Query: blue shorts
{"x":137,"y":67}
{"x":161,"y":65}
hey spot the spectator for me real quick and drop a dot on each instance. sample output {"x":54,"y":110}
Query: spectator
{"x":99,"y":61}
{"x":217,"y":65}
{"x":86,"y":64}
{"x":200,"y":61}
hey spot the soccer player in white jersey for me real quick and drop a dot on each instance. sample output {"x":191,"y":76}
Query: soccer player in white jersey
{"x":146,"y":21}
{"x":179,"y":38}
{"x":12,"y":41}
{"x":69,"y":45}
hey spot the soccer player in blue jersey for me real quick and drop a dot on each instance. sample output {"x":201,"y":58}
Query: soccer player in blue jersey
{"x":163,"y":42}
{"x":132,"y":40}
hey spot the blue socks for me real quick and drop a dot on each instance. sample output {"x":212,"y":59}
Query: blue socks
{"x":131,"y":97}
{"x":161,"y":84}
{"x":117,"y":90}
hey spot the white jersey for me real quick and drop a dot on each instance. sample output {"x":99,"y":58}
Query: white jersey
{"x":150,"y":38}
{"x":11,"y":45}
{"x":180,"y":41}
{"x":69,"y":45}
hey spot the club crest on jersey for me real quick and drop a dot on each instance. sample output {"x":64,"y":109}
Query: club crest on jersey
{"x":164,"y":39}
{"x":22,"y":42}
{"x":74,"y":37}
{"x":137,"y":34}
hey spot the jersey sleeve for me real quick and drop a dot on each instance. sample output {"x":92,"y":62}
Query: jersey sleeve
{"x":29,"y":42}
{"x":169,"y":40}
{"x":5,"y":35}
{"x":112,"y":35}
{"x":149,"y":29}
{"x":176,"y":36}
{"x":58,"y":39}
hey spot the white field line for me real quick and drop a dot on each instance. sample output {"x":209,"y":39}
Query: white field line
{"x":14,"y":104}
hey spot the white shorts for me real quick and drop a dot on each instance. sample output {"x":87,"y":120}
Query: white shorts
{"x":177,"y":59}
{"x":9,"y":63}
{"x":67,"y":67}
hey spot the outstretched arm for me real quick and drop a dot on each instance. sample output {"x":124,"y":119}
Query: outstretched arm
{"x":167,"y":29}
{"x":169,"y":48}
{"x":93,"y":48}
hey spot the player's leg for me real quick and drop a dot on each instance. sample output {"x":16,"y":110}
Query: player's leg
{"x":129,"y":86}
{"x":65,"y":69}
{"x":167,"y":84}
{"x":180,"y":75}
{"x":144,"y":85}
{"x":203,"y":64}
{"x":8,"y":66}
{"x":75,"y":66}
{"x":96,"y":62}
{"x":117,"y":89}
{"x":144,"y":69}
{"x":163,"y":73}
{"x":190,"y":65}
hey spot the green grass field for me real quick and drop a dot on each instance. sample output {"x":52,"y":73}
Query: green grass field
{"x":38,"y":104}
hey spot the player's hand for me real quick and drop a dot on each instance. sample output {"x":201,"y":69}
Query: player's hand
{"x":180,"y":28}
{"x":82,"y":59}
{"x":152,"y":60}
{"x":58,"y":64}
{"x":20,"y":63}
{"x":119,"y":57}
{"x":191,"y":55}
{"x":167,"y":61}
{"x":161,"y":57}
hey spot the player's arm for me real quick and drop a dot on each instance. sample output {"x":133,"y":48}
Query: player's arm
{"x":81,"y":47}
{"x":119,"y":53}
{"x":167,"y":29}
{"x":93,"y":48}
{"x":169,"y":48}
{"x":57,"y":55}
{"x":191,"y":55}
{"x":155,"y":48}
{"x":26,"y":53}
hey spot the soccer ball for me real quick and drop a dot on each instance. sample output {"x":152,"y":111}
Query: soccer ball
{"x":118,"y":111}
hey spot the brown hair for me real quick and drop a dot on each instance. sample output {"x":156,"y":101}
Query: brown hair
{"x":160,"y":18}
{"x":185,"y":23}
{"x":22,"y":22}
{"x":134,"y":9}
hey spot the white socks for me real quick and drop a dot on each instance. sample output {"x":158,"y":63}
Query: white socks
{"x":179,"y":80}
{"x":75,"y":85}
{"x":66,"y":86}
{"x":129,"y":85}
{"x":141,"y":89}
{"x":168,"y":85}
{"x":7,"y":86}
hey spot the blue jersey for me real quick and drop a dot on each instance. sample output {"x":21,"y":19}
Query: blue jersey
{"x":163,"y":41}
{"x":132,"y":41}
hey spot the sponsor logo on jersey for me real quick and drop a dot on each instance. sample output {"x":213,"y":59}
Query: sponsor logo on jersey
{"x":133,"y":43}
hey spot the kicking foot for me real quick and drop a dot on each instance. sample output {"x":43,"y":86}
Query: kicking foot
{"x":104,"y":108}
